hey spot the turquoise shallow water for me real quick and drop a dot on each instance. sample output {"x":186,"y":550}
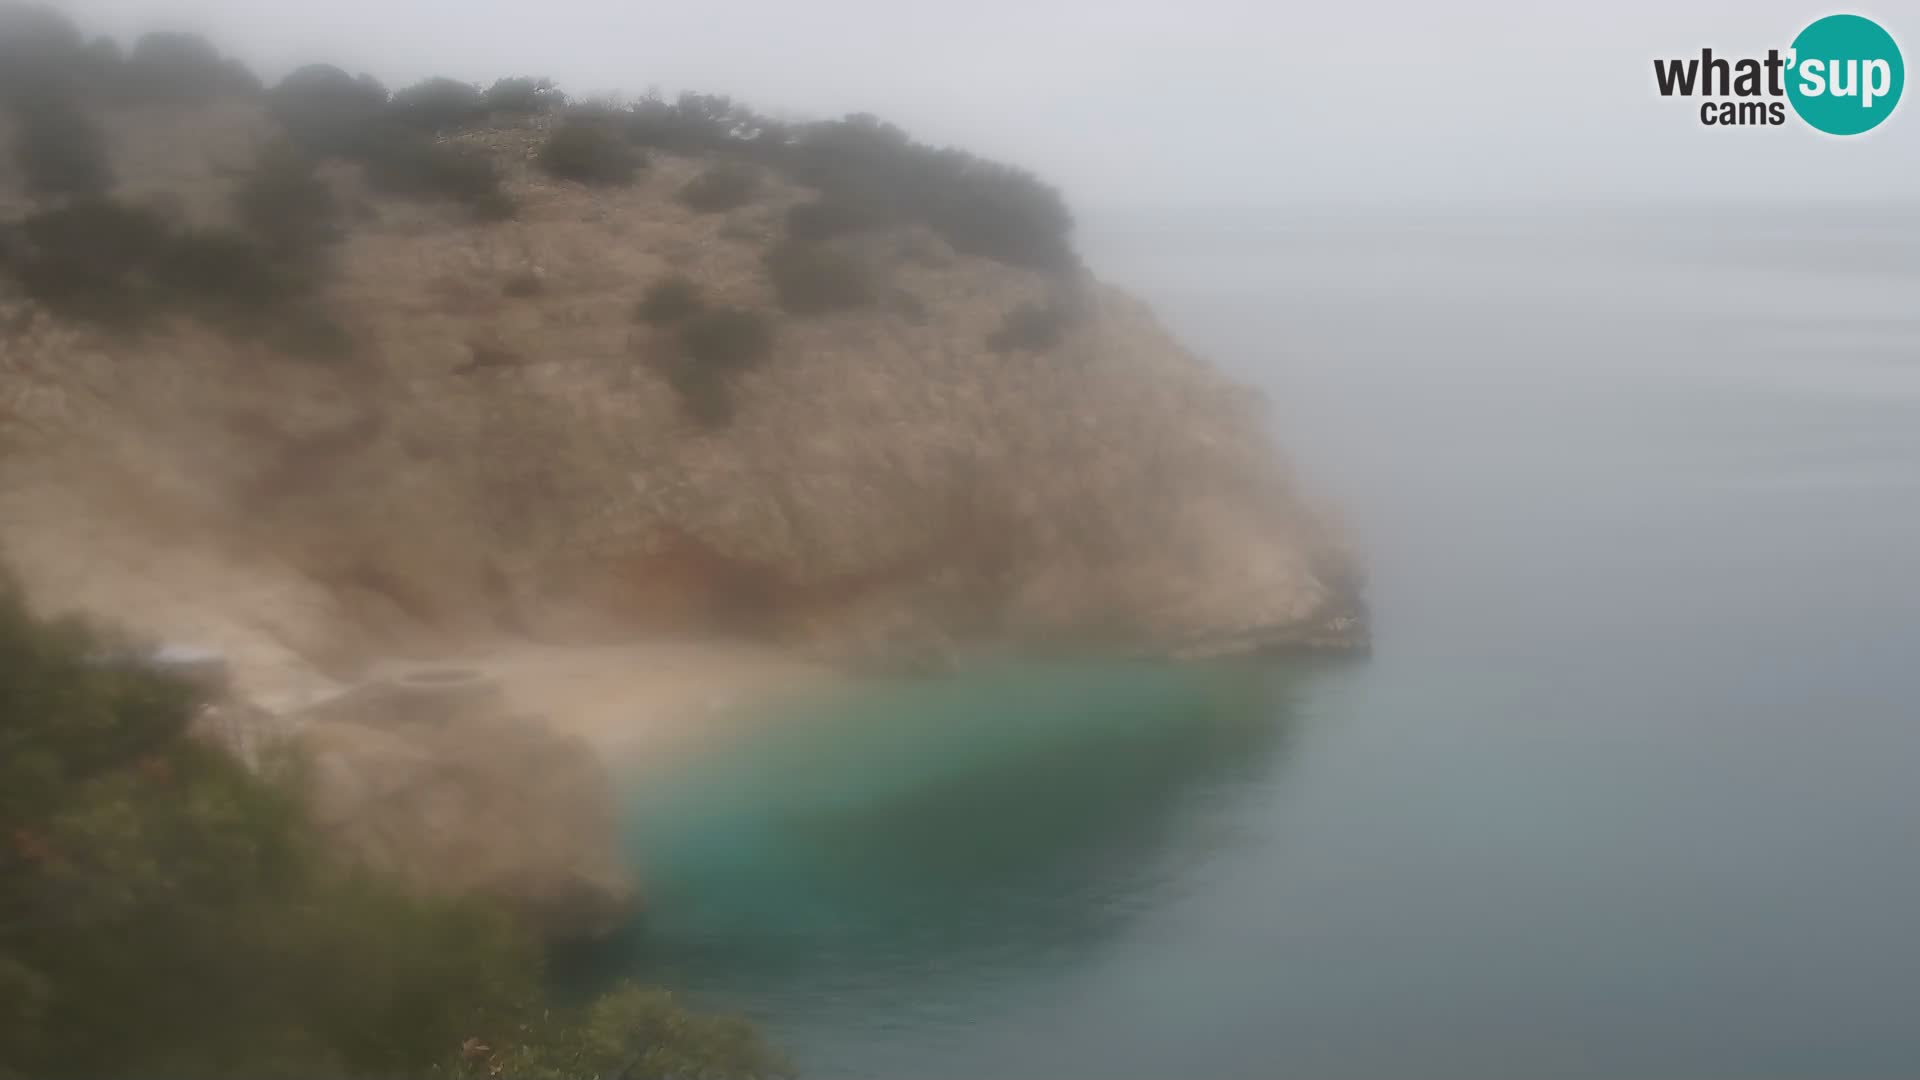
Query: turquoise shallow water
{"x":957,"y":830}
{"x":1626,"y":788}
{"x":924,"y":805}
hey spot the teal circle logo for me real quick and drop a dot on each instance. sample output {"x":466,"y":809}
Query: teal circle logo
{"x":1845,"y":75}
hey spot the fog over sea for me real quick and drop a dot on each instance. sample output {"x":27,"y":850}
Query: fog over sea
{"x":1627,"y":788}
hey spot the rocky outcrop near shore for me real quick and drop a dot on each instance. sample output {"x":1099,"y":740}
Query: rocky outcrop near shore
{"x":428,"y":779}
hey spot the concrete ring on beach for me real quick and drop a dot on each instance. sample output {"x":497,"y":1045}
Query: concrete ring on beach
{"x":444,"y":694}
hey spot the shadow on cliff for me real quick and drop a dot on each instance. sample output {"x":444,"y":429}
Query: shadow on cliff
{"x":1018,"y":815}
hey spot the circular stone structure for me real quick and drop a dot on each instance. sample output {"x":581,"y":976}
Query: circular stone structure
{"x":442,"y":695}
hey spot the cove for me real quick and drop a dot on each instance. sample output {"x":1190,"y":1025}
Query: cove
{"x":976,"y":832}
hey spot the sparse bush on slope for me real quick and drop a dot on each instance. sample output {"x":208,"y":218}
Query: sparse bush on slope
{"x":1035,"y":327}
{"x":226,"y":274}
{"x":726,"y":186}
{"x":119,"y":266}
{"x":285,"y":203}
{"x":811,"y":279}
{"x":590,"y":153}
{"x":728,"y":339}
{"x":704,"y":393}
{"x":669,"y":300}
{"x":59,"y":149}
{"x":715,"y":345}
{"x":92,"y":260}
{"x":407,"y":164}
{"x":824,"y":219}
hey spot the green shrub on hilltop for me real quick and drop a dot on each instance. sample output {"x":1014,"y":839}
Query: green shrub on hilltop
{"x":100,"y":63}
{"x":166,"y":912}
{"x":438,"y":104}
{"x":330,"y":113}
{"x":980,"y":207}
{"x":590,"y":153}
{"x":43,"y":55}
{"x":40,"y":51}
{"x":177,"y":67}
{"x":523,"y":95}
{"x":326,"y":110}
{"x":690,"y":122}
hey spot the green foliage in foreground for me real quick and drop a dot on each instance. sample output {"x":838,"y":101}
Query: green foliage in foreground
{"x":631,"y":1032}
{"x":164,"y":912}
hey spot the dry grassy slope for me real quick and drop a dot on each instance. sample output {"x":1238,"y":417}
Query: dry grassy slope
{"x":887,"y":478}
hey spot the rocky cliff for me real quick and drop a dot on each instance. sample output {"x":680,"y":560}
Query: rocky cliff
{"x":931,"y":451}
{"x":503,"y":452}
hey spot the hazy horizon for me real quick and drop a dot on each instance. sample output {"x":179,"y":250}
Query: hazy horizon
{"x":1131,"y":104}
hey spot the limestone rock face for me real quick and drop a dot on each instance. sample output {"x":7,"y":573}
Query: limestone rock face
{"x":889,"y":475}
{"x":433,"y":783}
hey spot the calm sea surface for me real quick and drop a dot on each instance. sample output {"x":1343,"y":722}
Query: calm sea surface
{"x":1631,"y":786}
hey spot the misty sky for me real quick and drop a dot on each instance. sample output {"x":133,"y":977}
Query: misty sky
{"x":1124,"y":102}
